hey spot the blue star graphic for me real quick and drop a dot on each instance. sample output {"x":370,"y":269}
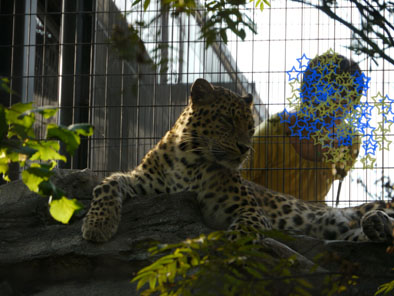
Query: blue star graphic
{"x":362,"y":82}
{"x":294,"y":72}
{"x":346,"y":140}
{"x":370,"y":144}
{"x":285,"y":114}
{"x":300,"y":125}
{"x":303,"y":62}
{"x":388,"y":109}
{"x":366,"y":109}
{"x":315,"y":125}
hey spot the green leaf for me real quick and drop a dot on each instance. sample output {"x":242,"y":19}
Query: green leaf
{"x":3,"y":124}
{"x":46,"y":151}
{"x":45,"y":111}
{"x":4,"y":165}
{"x":15,"y":114}
{"x":385,"y":288}
{"x":242,"y":34}
{"x":35,"y":174}
{"x":69,"y":138}
{"x":16,"y":149}
{"x":146,"y":4}
{"x":83,"y":129}
{"x":5,"y":85}
{"x":135,"y":2}
{"x":47,"y":188}
{"x":152,"y":281}
{"x":171,"y":272}
{"x":63,"y":209}
{"x":215,"y":235}
{"x":32,"y":180}
{"x":142,"y":279}
{"x":20,"y":108}
{"x":223,"y":35}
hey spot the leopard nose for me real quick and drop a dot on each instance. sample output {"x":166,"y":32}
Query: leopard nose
{"x":242,"y":148}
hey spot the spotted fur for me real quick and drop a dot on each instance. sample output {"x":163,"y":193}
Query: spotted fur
{"x":203,"y":153}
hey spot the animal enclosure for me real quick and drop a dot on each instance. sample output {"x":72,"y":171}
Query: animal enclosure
{"x":89,"y":58}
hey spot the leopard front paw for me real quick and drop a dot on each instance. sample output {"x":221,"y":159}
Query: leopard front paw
{"x":378,"y":226}
{"x":99,"y":229}
{"x":102,"y":220}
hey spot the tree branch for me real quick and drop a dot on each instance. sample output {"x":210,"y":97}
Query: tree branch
{"x":379,"y":20}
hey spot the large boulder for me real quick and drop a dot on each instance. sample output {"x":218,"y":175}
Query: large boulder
{"x":39,"y":256}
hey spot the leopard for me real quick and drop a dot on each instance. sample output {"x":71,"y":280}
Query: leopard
{"x":203,"y":153}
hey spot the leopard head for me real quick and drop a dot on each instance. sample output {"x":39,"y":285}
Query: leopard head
{"x":220,"y":124}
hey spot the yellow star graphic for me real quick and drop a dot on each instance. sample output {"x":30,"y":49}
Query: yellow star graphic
{"x":368,"y":161}
{"x":383,"y":142}
{"x":379,"y":102}
{"x":295,"y":85}
{"x":320,"y":138}
{"x":383,"y":128}
{"x":293,"y":101}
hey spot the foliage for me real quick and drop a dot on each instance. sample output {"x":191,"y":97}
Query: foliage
{"x":387,"y":188}
{"x":260,"y":4}
{"x":216,"y":18}
{"x":210,"y":265}
{"x":385,"y":289}
{"x":375,"y":36}
{"x":19,"y":144}
{"x":220,"y":16}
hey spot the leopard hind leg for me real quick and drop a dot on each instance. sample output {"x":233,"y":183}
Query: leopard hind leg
{"x":249,"y":222}
{"x":378,"y":226}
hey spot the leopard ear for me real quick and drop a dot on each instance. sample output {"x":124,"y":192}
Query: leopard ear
{"x":202,"y":92}
{"x":248,"y":99}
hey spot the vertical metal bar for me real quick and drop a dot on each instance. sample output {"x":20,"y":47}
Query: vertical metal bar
{"x":383,"y":125}
{"x":181,"y":49}
{"x":29,"y":56}
{"x":284,"y":101}
{"x":268,"y":82}
{"x":122,"y":90}
{"x":137,"y":134}
{"x":66,"y":68}
{"x":164,"y":39}
{"x":92,"y":82}
{"x":43,"y":78}
{"x":106,"y":111}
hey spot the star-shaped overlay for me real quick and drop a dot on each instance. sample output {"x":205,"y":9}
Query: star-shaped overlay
{"x":327,"y":113}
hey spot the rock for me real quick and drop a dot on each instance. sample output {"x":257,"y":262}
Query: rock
{"x":39,"y":256}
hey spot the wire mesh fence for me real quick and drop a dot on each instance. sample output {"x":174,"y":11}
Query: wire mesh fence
{"x":69,"y":54}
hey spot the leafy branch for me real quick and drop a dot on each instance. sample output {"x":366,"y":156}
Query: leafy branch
{"x":385,"y":289}
{"x":220,"y":16}
{"x":211,"y":265}
{"x":38,"y":157}
{"x":216,"y":18}
{"x":375,"y":35}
